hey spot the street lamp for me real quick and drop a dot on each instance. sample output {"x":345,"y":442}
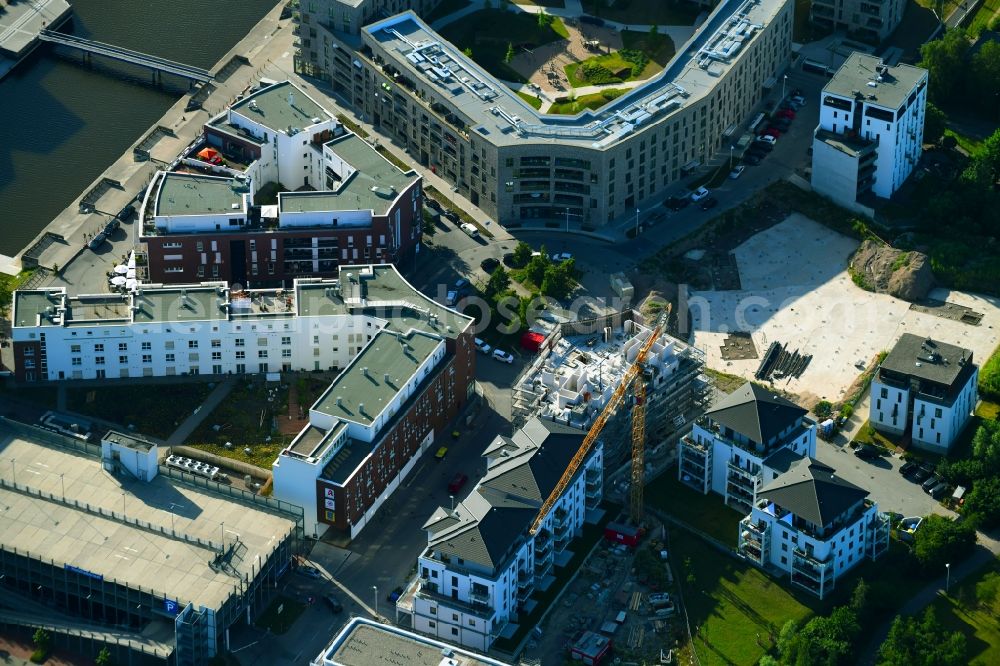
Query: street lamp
{"x":636,"y":222}
{"x":13,"y":472}
{"x":375,"y":590}
{"x":731,"y":157}
{"x":123,"y":505}
{"x":567,"y":219}
{"x":62,"y":481}
{"x":452,"y":498}
{"x":783,"y":80}
{"x":947,"y":579}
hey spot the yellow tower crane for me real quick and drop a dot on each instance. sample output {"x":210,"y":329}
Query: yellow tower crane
{"x":638,"y":452}
{"x":595,"y":430}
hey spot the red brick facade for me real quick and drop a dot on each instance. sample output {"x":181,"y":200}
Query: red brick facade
{"x":28,"y":360}
{"x":442,"y":399}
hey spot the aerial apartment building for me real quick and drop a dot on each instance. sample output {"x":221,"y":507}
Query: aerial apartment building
{"x":924,"y":389}
{"x":871,"y":129}
{"x":813,"y":526}
{"x":746,"y":440}
{"x":869,"y":20}
{"x":407,"y":367}
{"x":339,"y":202}
{"x":482,"y":565}
{"x":521,"y":166}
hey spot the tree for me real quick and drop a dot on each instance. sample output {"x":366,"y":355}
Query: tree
{"x":944,"y":59}
{"x":935,"y":123}
{"x":940,"y":541}
{"x":826,"y":641}
{"x":545,"y":19}
{"x":984,"y":72}
{"x":983,"y":502}
{"x":915,"y":641}
{"x":467,"y":52}
{"x":41,"y":639}
{"x":498,"y":283}
{"x":535,"y":270}
{"x":103,"y":658}
{"x":859,"y":597}
{"x":987,"y":589}
{"x":510,"y":53}
{"x":522,"y":254}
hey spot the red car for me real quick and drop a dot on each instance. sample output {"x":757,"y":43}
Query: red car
{"x":786,"y":113}
{"x":772,"y":131}
{"x":457,"y":482}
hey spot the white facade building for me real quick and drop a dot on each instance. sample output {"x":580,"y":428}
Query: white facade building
{"x":813,"y":525}
{"x":746,"y":440}
{"x":924,"y":389}
{"x":481,"y":565}
{"x":871,"y":129}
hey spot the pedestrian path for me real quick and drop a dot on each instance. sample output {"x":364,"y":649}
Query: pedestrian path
{"x":214,"y":399}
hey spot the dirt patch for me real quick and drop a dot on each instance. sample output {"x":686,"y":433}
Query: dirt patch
{"x":886,"y":270}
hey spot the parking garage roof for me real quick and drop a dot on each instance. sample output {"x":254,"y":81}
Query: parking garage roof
{"x":58,"y":525}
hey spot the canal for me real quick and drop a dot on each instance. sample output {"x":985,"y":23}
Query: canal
{"x":62,"y":124}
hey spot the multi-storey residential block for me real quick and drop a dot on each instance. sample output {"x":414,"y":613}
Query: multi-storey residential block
{"x":871,"y":129}
{"x":344,"y":203}
{"x":813,"y":525}
{"x":926,"y":390}
{"x":407,"y":367}
{"x":481,"y":564}
{"x":870,"y":20}
{"x":747,"y":439}
{"x":521,"y":166}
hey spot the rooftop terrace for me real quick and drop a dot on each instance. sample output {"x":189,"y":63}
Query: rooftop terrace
{"x":190,"y":194}
{"x":860,"y":75}
{"x":280,"y":107}
{"x":493,"y":109}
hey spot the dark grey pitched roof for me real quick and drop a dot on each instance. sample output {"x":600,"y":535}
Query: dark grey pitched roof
{"x":782,"y":459}
{"x":813,"y":492}
{"x":923,"y":358}
{"x":507,"y":499}
{"x":756,"y":412}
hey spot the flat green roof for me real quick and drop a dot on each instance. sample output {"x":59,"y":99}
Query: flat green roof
{"x":29,"y":304}
{"x":860,"y":68}
{"x":190,"y":194}
{"x":178,"y":304}
{"x":273,"y":109}
{"x":362,"y":389}
{"x":374,"y":186}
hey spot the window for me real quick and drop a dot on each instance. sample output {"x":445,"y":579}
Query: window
{"x":147,"y":358}
{"x":99,"y":347}
{"x":74,"y":349}
{"x":192,"y":344}
{"x":239,"y":342}
{"x":169,"y":344}
{"x":123,"y":360}
{"x":122,"y":346}
{"x":216,"y":356}
{"x":241,"y":354}
{"x":77,"y":361}
{"x":286,"y":353}
{"x":937,"y":412}
{"x":261,"y":342}
{"x":216,"y":344}
{"x":262,"y":353}
{"x":286,"y":340}
{"x":99,"y":360}
{"x":170,"y":358}
{"x":454,"y":631}
{"x":885,"y":392}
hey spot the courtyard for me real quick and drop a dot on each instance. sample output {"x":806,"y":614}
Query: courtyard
{"x":812,"y":306}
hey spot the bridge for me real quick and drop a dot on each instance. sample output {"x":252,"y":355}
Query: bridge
{"x":158,"y":65}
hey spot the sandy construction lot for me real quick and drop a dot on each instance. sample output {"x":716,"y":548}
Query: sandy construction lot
{"x":796,"y":291}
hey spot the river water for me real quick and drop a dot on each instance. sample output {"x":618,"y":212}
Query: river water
{"x":62,"y":124}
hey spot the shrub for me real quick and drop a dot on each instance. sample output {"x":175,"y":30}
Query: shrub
{"x":941,"y":541}
{"x":989,"y":377}
{"x":846,"y":410}
{"x":39,"y":656}
{"x":823,"y":408}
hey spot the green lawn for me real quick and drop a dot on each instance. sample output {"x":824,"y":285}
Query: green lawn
{"x":279,"y":623}
{"x":967,"y":143}
{"x":659,"y":48}
{"x":984,"y":16}
{"x":730,"y":603}
{"x":592,"y":102}
{"x":488,"y":33}
{"x":946,"y":6}
{"x":645,"y":12}
{"x":978,"y":621}
{"x":531,"y":99}
{"x":446,"y":7}
{"x":704,"y":512}
{"x":154,"y":409}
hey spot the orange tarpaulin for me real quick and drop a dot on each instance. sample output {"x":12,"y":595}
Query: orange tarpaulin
{"x":210,"y":155}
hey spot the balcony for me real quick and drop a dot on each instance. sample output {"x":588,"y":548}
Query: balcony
{"x":477,"y":608}
{"x":694,"y":446}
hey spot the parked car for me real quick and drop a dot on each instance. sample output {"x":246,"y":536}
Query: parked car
{"x":489,"y":264}
{"x":432,"y":204}
{"x":867,"y":452}
{"x":763,"y":145}
{"x":333,"y":603}
{"x":451,"y":297}
{"x":457,"y":482}
{"x":481,"y":346}
{"x":920,"y":474}
{"x":310,"y":572}
{"x":470,"y":229}
{"x":930,"y":482}
{"x":560,"y":257}
{"x":501,"y":355}
{"x":659,"y":599}
{"x":112,"y":226}
{"x":96,"y":241}
{"x":737,"y":171}
{"x":126,"y":213}
{"x":782,"y":124}
{"x":508,"y":259}
{"x":709,"y":203}
{"x":441,"y":453}
{"x":677,"y":202}
{"x":773,"y":131}
{"x":753,"y":159}
{"x":396,"y":593}
{"x":451,"y":215}
{"x":699,"y":194}
{"x":786,"y":113}
{"x":907,"y":467}
{"x":939,"y":490}
{"x":768,"y":138}
{"x":798,"y":99}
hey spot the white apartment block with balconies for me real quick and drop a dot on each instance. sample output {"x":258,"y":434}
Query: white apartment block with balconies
{"x":812,"y":525}
{"x":482,"y":565}
{"x":925,"y":389}
{"x":871,"y":129}
{"x":747,"y":439}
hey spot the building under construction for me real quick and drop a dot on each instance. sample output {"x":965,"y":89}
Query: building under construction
{"x":581,"y":364}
